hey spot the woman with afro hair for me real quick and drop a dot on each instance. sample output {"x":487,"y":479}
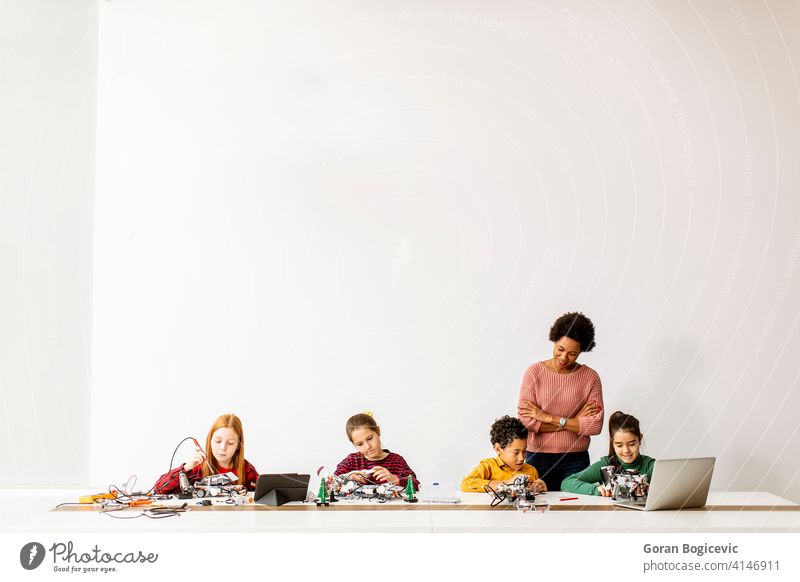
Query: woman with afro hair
{"x":561,"y":403}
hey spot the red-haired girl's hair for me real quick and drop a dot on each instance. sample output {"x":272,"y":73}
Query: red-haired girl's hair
{"x":232,"y":422}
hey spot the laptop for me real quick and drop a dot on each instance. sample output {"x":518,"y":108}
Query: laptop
{"x":676,"y":484}
{"x":277,"y":489}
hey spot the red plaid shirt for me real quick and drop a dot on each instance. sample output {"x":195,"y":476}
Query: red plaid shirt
{"x":169,"y":482}
{"x":395,"y":464}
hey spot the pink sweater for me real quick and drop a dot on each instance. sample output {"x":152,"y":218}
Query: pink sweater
{"x":561,"y":395}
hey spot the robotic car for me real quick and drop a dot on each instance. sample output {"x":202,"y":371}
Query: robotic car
{"x":518,"y":493}
{"x":221,"y":485}
{"x":625,"y":483}
{"x":347,"y":487}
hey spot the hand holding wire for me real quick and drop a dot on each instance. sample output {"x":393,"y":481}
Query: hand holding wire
{"x":383,"y":474}
{"x":359,"y":477}
{"x":197,"y":458}
{"x":206,"y":460}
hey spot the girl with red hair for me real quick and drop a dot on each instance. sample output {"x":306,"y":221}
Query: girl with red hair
{"x":224,"y":454}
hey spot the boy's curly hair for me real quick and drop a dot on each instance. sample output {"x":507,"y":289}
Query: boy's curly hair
{"x":506,"y":429}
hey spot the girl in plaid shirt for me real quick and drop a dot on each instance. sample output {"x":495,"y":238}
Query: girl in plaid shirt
{"x":388,"y":467}
{"x":224,"y":454}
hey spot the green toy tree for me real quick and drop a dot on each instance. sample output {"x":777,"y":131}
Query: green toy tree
{"x":410,"y":492}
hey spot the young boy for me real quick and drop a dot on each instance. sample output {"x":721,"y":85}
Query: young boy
{"x":509,"y":438}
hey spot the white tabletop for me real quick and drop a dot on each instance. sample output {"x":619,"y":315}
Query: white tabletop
{"x":32,"y":511}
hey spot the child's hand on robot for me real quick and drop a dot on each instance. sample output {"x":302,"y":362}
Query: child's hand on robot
{"x":383,"y":475}
{"x":604,"y":491}
{"x":538,"y":486}
{"x":360,"y":476}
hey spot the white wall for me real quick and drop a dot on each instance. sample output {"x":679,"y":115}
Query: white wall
{"x":48,"y":66}
{"x":308,"y":209}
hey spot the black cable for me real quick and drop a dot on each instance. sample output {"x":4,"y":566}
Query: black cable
{"x":162,"y":512}
{"x":124,"y":490}
{"x":111,"y":514}
{"x":153,"y":513}
{"x":171,"y":460}
{"x":497,"y":498}
{"x":366,"y":478}
{"x":123,"y":495}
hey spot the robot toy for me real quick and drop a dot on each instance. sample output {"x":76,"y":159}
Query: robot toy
{"x":221,"y":485}
{"x":625,"y":483}
{"x":346,"y":487}
{"x":519,"y":493}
